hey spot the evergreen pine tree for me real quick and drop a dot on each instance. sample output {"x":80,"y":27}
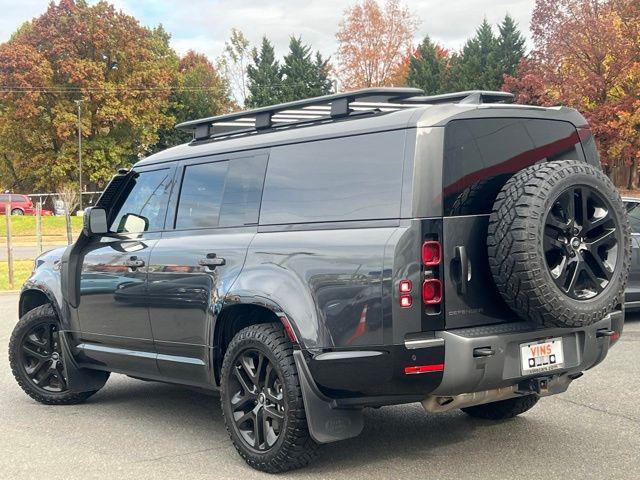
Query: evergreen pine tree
{"x":304,"y":76}
{"x":264,"y":77}
{"x":510,"y":46}
{"x":478,"y":66}
{"x":427,"y":70}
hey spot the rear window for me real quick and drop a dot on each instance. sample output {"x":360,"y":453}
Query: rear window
{"x":352,"y":178}
{"x":481,"y":154}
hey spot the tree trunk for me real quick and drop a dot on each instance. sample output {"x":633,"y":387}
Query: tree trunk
{"x":633,"y":174}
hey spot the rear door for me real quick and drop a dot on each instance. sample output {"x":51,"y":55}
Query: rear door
{"x":213,"y":219}
{"x":480,"y":155}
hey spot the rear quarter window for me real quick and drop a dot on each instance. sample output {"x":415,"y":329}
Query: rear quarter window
{"x":352,"y":178}
{"x":480,"y":155}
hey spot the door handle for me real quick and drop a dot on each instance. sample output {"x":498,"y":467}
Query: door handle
{"x":212,"y":261}
{"x":134,"y":262}
{"x":461,"y":257}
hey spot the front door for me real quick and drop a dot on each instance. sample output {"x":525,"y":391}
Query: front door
{"x":113,"y":311}
{"x":214,"y":217}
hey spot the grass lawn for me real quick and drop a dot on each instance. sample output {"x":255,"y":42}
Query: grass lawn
{"x":25,"y":226}
{"x":21,"y":271}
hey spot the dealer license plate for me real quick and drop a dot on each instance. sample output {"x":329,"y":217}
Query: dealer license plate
{"x":541,"y":356}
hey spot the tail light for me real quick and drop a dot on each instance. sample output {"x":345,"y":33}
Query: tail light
{"x":432,"y":291}
{"x":431,"y":253}
{"x":405,"y":287}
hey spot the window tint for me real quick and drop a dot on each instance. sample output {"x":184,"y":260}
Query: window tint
{"x":201,"y":195}
{"x":223,"y":194}
{"x":147,"y":198}
{"x":353,"y":178}
{"x":243,"y":191}
{"x":633,"y":212}
{"x":481,"y":154}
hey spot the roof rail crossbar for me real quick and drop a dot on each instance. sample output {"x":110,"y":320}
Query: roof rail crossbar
{"x":336,"y":106}
{"x":470,"y":97}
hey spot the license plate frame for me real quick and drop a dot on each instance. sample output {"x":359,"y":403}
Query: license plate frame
{"x":541,"y":356}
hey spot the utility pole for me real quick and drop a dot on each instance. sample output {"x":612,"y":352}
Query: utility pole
{"x":79,"y":104}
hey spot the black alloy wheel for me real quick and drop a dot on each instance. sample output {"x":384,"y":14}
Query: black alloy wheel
{"x":42,"y":358}
{"x":257,"y":400}
{"x":581,"y":242}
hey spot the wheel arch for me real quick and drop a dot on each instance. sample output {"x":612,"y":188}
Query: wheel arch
{"x":33,"y":297}
{"x":236,"y":315}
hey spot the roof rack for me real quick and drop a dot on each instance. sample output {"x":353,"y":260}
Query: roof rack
{"x":469,"y":97}
{"x":330,"y":107}
{"x":313,"y":109}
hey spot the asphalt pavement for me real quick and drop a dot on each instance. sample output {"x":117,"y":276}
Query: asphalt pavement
{"x":142,"y":430}
{"x":25,"y":252}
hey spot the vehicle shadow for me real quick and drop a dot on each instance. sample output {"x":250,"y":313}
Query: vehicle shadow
{"x":392,"y":436}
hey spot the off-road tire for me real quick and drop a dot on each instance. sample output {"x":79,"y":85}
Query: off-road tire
{"x":294,"y":448}
{"x":41,"y":314}
{"x":516,"y":253}
{"x":503,"y":409}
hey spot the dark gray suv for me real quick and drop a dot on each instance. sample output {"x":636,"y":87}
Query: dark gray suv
{"x":314,"y":258}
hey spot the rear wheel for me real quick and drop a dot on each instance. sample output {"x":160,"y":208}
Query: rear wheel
{"x":503,"y":409}
{"x":262,"y":400}
{"x":36,"y":359}
{"x":17,"y":211}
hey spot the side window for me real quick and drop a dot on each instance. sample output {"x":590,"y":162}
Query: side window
{"x":633,"y":212}
{"x":352,"y":178}
{"x":221,"y":194}
{"x":4,"y":198}
{"x":145,"y":204}
{"x":201,"y":195}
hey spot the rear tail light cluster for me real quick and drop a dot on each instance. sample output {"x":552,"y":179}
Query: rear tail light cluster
{"x":431,"y":285}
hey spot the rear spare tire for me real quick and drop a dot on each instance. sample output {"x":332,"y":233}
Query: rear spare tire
{"x":559,"y":244}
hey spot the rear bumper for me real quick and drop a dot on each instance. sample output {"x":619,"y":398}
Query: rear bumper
{"x":377,"y":375}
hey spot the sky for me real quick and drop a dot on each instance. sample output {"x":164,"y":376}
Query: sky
{"x":204,"y":25}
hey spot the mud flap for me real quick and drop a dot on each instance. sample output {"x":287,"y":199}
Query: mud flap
{"x":79,"y":379}
{"x":326,"y":423}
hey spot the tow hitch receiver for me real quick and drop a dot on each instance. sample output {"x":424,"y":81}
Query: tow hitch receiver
{"x":544,"y":386}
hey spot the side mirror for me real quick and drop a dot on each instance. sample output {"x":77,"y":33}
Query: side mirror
{"x":132,"y":223}
{"x":95,"y":221}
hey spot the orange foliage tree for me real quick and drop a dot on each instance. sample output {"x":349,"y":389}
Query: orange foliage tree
{"x":75,"y":51}
{"x":587,"y":55}
{"x":375,"y":44}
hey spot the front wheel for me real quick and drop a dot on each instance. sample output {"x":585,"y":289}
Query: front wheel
{"x":17,"y":211}
{"x":36,"y":359}
{"x":262,"y":400}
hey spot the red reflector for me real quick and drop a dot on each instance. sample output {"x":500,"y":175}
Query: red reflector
{"x":405,"y":286}
{"x":431,"y":253}
{"x":288,"y":329}
{"x":614,"y":337}
{"x":438,"y":367}
{"x":432,"y":291}
{"x":406,"y":301}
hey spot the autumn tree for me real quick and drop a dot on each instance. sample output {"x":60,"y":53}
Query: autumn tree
{"x":375,"y":44}
{"x":587,"y":56}
{"x":200,"y":91}
{"x":428,"y":68}
{"x":77,"y":51}
{"x":264,"y":77}
{"x":305,"y":75}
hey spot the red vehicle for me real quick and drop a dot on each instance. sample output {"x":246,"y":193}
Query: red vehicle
{"x":19,"y":204}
